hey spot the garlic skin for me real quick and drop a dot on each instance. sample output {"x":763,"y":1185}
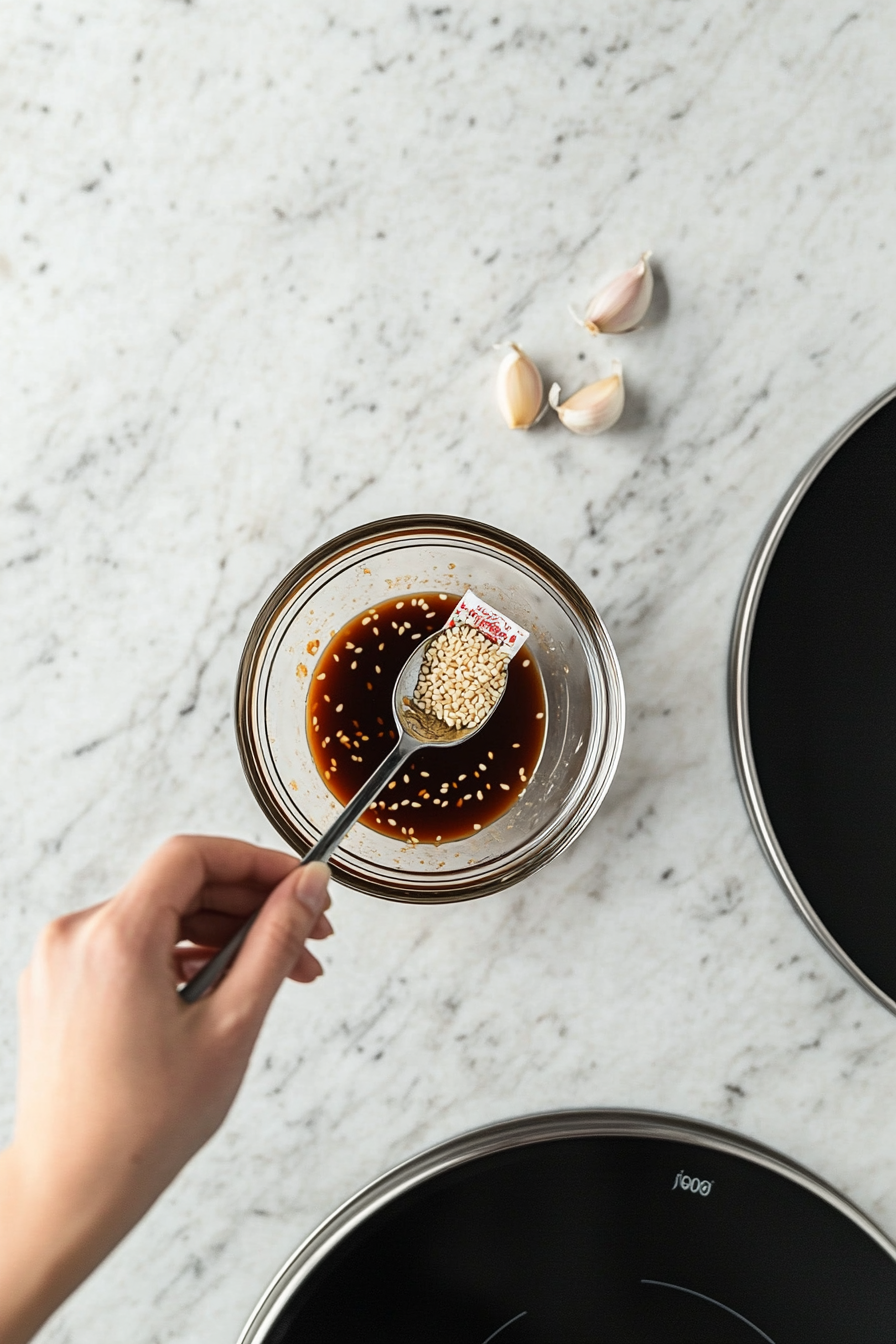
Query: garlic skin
{"x":622,"y":303}
{"x":594,"y":408}
{"x":520,"y":389}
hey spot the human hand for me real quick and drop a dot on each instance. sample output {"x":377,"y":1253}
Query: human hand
{"x":120,"y":1081}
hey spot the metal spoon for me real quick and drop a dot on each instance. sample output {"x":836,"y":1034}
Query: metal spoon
{"x":415,"y":730}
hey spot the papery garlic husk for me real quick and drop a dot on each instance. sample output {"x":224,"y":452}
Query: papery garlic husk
{"x":594,"y":408}
{"x":520,"y":389}
{"x":622,"y":303}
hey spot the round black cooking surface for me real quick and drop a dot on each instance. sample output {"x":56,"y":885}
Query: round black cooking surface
{"x":814,"y":708}
{"x":589,"y":1227}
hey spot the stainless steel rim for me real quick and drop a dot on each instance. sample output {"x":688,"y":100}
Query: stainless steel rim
{"x":606,"y":667}
{"x":518,"y":1134}
{"x":738,"y":699}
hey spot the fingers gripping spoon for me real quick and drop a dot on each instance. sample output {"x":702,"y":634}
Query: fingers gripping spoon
{"x":417,"y":728}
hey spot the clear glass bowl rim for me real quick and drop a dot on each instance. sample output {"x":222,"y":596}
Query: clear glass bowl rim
{"x":441,"y":528}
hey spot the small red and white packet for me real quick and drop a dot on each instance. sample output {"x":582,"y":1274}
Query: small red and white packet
{"x":500,"y":629}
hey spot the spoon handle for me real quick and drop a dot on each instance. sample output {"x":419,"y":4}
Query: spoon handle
{"x":318,"y":853}
{"x":353,"y":811}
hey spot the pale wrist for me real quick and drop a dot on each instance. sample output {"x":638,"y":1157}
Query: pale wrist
{"x":37,"y":1269}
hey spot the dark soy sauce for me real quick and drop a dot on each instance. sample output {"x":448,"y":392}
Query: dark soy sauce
{"x":442,"y":793}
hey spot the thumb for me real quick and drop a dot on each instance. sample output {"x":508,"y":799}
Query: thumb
{"x":275,"y":941}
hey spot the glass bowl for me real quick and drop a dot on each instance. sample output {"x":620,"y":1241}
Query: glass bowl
{"x":585,"y":707}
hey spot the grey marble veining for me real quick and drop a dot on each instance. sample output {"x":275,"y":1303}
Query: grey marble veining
{"x":253,"y":260}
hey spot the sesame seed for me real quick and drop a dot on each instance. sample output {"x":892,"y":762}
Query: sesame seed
{"x":460,"y":777}
{"x":461,"y":678}
{"x":467,"y":797}
{"x":327,"y":698}
{"x":506,"y":787}
{"x":491,"y":756}
{"x":424,"y":774}
{"x":392,"y":784}
{"x":525,"y":662}
{"x":516,"y":744}
{"x":335,"y":657}
{"x":354,"y":665}
{"x":539,"y":716}
{"x":398,"y":606}
{"x":406,"y":778}
{"x":479,"y":794}
{"x":391,"y":821}
{"x":321,"y":676}
{"x":476,"y":826}
{"x":443,"y":597}
{"x":365,"y":620}
{"x":339,"y":709}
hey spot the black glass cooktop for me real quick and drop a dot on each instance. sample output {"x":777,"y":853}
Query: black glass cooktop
{"x":819,"y":732}
{"x":608,"y":1238}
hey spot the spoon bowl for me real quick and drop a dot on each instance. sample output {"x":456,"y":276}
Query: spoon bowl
{"x":426,"y":729}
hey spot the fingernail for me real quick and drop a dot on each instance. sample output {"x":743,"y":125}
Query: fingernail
{"x":311,"y":887}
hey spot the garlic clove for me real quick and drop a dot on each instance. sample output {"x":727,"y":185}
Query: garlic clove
{"x":592,"y":409}
{"x":622,"y":303}
{"x":520,"y":389}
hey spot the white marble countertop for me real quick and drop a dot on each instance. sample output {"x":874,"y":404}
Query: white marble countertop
{"x":253,"y":258}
